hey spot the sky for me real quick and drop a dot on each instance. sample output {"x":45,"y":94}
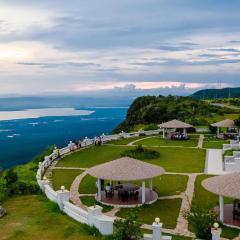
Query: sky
{"x":86,"y":46}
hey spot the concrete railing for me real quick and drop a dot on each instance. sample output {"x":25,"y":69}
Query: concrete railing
{"x":93,"y":216}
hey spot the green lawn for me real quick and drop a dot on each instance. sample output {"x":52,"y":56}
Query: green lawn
{"x":166,"y":210}
{"x":88,"y":185}
{"x":91,"y":201}
{"x":34,"y":217}
{"x":91,"y":156}
{"x":208,"y":200}
{"x":158,"y":141}
{"x":180,"y":160}
{"x":213,"y":142}
{"x":64,"y":177}
{"x":165,"y":185}
{"x":168,"y":184}
{"x":172,"y":159}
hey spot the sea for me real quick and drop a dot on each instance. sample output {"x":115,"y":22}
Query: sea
{"x":25,"y":133}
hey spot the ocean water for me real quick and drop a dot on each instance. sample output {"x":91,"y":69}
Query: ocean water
{"x":21,"y":139}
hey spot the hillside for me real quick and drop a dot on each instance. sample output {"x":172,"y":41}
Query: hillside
{"x":151,"y":109}
{"x":217,"y":93}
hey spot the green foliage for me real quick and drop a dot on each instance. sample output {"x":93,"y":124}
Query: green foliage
{"x":212,"y":129}
{"x":128,"y":229}
{"x":141,"y":153}
{"x":155,"y":110}
{"x":91,"y":230}
{"x":151,"y":126}
{"x":237,"y":121}
{"x":201,"y":221}
{"x":11,"y":177}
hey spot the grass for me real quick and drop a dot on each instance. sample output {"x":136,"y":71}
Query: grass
{"x":91,"y":156}
{"x":91,"y":201}
{"x":64,"y":177}
{"x":158,"y":141}
{"x":166,"y":210}
{"x":88,"y":185}
{"x":169,"y":184}
{"x":208,"y":200}
{"x":180,"y":160}
{"x":210,"y":141}
{"x":172,"y":159}
{"x":34,"y":217}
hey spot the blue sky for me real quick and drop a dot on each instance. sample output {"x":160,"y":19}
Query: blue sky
{"x":177,"y":46}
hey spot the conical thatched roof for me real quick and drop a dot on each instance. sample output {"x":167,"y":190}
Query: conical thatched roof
{"x":125,"y":169}
{"x":227,"y":123}
{"x":175,"y":124}
{"x":227,"y":185}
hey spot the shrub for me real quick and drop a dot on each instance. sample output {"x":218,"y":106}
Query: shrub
{"x":151,"y":126}
{"x":128,"y":229}
{"x":141,"y":153}
{"x":201,"y":221}
{"x":11,"y":177}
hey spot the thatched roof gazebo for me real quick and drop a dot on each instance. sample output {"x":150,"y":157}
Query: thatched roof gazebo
{"x":174,"y":124}
{"x":227,"y":185}
{"x":227,"y":123}
{"x":125,"y":169}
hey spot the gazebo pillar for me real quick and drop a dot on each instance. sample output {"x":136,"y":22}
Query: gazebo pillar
{"x":221,"y":208}
{"x":218,"y":132}
{"x":163,"y":133}
{"x":185,"y":131}
{"x":143,"y":192}
{"x":151,"y":184}
{"x":99,"y":196}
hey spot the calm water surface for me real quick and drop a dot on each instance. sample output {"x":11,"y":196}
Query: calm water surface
{"x":23,"y":134}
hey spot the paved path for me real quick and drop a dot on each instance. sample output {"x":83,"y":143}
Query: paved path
{"x":214,"y":162}
{"x":187,"y":196}
{"x":70,"y":168}
{"x":74,"y":194}
{"x":113,"y":212}
{"x":138,"y":140}
{"x":169,"y":197}
{"x":200,"y":141}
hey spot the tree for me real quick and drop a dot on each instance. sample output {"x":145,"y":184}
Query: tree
{"x":11,"y":177}
{"x":127,"y":229}
{"x":201,"y":221}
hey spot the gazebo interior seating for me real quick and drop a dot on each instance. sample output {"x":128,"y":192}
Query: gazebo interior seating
{"x":175,"y":129}
{"x":236,"y":209}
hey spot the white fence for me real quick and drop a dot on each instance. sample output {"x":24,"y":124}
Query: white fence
{"x":93,"y":216}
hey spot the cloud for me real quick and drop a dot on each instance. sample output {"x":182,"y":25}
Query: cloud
{"x":95,"y":44}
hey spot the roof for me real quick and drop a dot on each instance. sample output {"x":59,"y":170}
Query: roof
{"x":175,"y":124}
{"x":227,"y":123}
{"x":227,"y":185}
{"x":125,"y":169}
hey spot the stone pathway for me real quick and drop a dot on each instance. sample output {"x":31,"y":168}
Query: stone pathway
{"x":169,"y":197}
{"x":187,"y":196}
{"x":74,"y":194}
{"x":200,"y":141}
{"x":138,"y":140}
{"x":113,"y":212}
{"x":70,"y":168}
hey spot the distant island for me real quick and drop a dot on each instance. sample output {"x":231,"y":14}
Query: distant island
{"x":217,"y":93}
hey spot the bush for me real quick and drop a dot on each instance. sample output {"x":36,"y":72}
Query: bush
{"x":201,"y":221}
{"x":128,"y":229}
{"x":151,"y":126}
{"x":141,"y":153}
